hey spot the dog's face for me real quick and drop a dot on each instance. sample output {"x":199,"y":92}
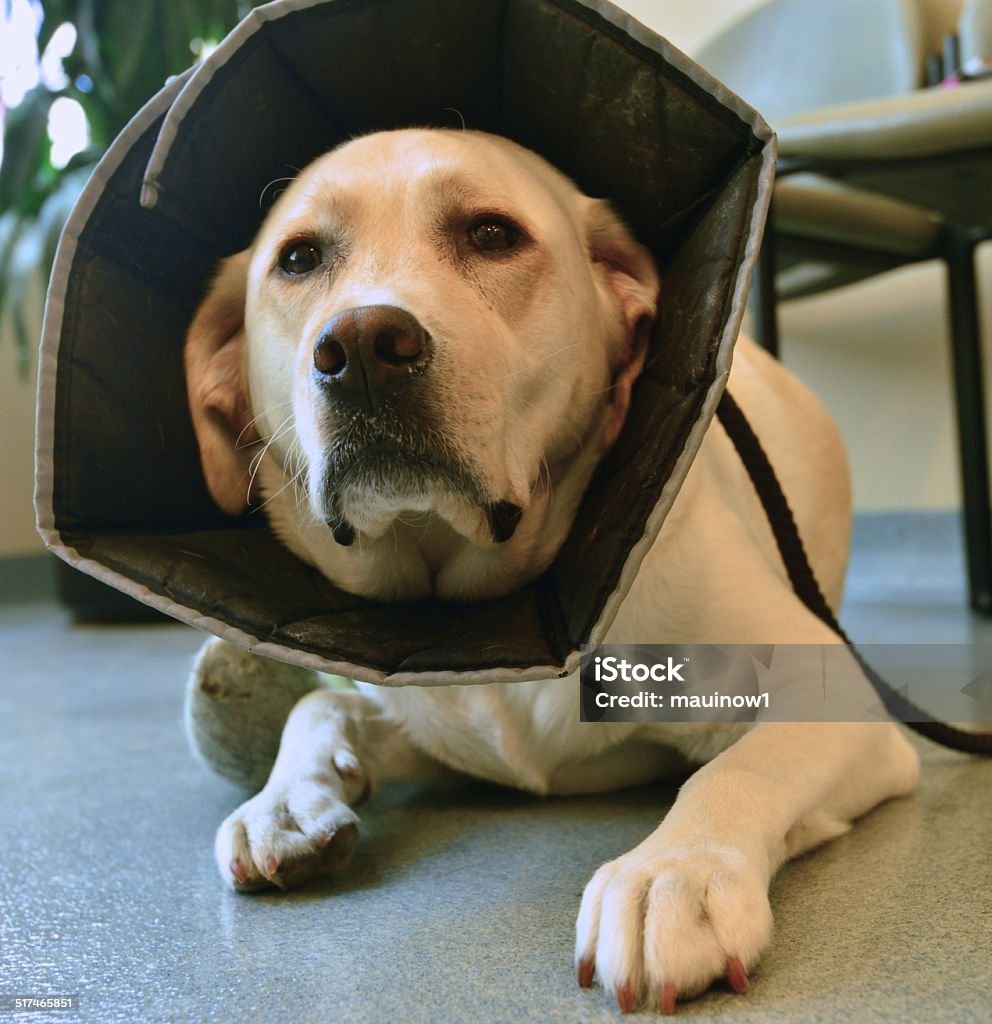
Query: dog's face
{"x":430,"y":343}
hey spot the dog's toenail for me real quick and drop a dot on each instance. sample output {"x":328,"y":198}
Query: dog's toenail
{"x":736,"y":975}
{"x":585,"y":972}
{"x":625,"y":998}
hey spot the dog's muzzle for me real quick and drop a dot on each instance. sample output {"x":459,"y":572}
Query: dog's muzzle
{"x":367,"y":354}
{"x":385,"y":438}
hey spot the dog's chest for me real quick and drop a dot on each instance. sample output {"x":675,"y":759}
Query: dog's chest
{"x":525,"y":735}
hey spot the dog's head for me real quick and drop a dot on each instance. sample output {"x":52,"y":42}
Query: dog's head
{"x":419,"y":361}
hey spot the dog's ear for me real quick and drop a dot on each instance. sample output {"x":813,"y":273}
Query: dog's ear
{"x":218,"y":389}
{"x":630,"y":281}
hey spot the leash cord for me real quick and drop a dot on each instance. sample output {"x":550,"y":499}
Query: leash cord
{"x":803,"y":580}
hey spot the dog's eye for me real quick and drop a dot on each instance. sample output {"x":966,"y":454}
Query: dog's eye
{"x":300,"y":258}
{"x":493,"y":234}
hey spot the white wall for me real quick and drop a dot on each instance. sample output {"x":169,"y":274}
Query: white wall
{"x":17,"y":535}
{"x":876,"y":352}
{"x":687,"y":23}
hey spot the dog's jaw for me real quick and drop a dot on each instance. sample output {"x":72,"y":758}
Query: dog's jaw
{"x":436,"y":544}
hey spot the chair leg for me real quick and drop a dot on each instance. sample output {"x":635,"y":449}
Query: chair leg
{"x":763,"y":294}
{"x":969,"y":393}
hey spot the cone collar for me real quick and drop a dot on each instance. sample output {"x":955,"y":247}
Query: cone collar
{"x":119,"y":489}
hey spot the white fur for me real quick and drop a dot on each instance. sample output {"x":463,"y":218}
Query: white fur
{"x":535,"y":360}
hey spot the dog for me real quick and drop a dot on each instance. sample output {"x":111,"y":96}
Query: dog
{"x":415,"y":368}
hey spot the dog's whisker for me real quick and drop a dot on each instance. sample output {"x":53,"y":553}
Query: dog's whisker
{"x":544,"y":470}
{"x":461,"y":116}
{"x":272,"y":497}
{"x":297,"y":463}
{"x":275,"y":181}
{"x":256,"y":461}
{"x":290,"y":482}
{"x":254,"y":420}
{"x":544,"y":360}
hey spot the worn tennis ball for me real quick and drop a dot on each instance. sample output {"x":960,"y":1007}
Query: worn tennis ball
{"x":236,"y":706}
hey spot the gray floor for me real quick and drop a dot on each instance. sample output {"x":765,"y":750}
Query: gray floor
{"x":460,"y":903}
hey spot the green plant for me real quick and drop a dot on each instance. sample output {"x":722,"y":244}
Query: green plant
{"x":124,"y":52}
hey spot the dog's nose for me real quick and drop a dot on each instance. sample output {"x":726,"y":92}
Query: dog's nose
{"x":365,"y":354}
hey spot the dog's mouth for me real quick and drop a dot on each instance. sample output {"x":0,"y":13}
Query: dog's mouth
{"x":388,"y":464}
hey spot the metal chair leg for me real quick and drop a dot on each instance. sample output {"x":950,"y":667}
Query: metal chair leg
{"x":969,"y":393}
{"x":763,"y":298}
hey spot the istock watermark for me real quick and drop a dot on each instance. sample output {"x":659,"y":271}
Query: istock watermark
{"x":610,"y":668}
{"x":784,"y":682}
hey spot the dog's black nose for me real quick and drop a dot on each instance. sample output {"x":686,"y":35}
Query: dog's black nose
{"x":367,"y":353}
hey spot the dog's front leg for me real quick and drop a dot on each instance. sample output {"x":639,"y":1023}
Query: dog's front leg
{"x":690,"y":904}
{"x":335,"y":746}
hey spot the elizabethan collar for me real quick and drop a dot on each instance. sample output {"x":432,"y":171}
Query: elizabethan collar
{"x":120,"y":493}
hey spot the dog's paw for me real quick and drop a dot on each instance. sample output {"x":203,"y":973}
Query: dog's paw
{"x":660,"y":925}
{"x":286,"y":834}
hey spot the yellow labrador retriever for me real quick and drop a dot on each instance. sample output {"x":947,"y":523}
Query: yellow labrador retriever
{"x":432,"y":341}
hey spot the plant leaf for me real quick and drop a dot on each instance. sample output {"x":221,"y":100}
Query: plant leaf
{"x":11,"y":225}
{"x":22,"y":269}
{"x":25,"y":149}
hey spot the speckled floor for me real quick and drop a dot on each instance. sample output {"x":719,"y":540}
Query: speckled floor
{"x":460,"y":903}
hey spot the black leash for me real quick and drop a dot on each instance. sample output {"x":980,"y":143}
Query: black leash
{"x":804,"y":583}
